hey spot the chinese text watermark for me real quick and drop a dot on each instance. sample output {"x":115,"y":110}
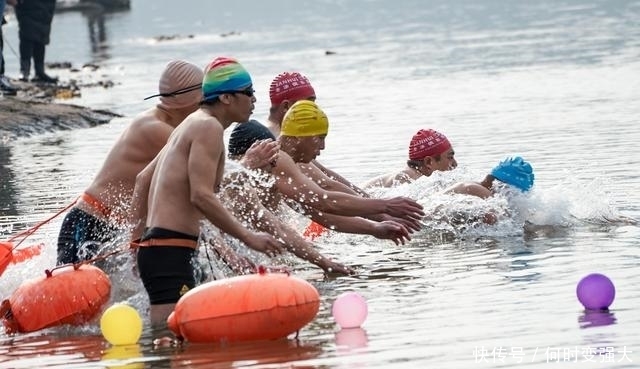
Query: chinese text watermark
{"x":576,"y":354}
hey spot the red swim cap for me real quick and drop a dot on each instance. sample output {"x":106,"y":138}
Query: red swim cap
{"x":290,"y":86}
{"x":427,"y":142}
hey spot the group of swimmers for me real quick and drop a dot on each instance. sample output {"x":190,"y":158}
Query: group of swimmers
{"x":166,"y":174}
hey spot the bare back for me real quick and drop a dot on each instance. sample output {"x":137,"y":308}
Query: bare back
{"x":136,"y":147}
{"x":408,"y":175}
{"x":191,"y":165}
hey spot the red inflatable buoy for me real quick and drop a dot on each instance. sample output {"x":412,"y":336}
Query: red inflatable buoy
{"x":314,"y":230}
{"x":68,"y":295}
{"x":245,"y":308}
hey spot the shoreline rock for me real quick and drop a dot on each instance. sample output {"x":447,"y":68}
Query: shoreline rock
{"x":36,"y":108}
{"x":24,"y":118}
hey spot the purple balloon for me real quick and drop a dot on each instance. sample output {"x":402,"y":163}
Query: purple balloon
{"x":596,"y":291}
{"x":596,"y":318}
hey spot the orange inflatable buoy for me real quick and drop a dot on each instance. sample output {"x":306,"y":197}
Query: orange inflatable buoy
{"x":314,"y":230}
{"x":263,"y":306}
{"x":68,"y":295}
{"x":8,"y":254}
{"x":26,"y":253}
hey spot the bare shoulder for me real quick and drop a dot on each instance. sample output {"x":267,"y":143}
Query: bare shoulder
{"x":388,"y":180}
{"x":201,"y":125}
{"x":146,"y":131}
{"x":149,"y":122}
{"x":197,"y":128}
{"x":146,"y":118}
{"x":375,"y":182}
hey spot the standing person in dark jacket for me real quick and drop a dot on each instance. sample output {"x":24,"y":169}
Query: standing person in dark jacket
{"x":34,"y":23}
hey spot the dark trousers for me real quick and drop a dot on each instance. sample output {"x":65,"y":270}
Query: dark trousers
{"x":31,"y":49}
{"x":1,"y":49}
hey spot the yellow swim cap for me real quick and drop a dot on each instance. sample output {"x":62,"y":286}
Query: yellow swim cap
{"x":304,"y":119}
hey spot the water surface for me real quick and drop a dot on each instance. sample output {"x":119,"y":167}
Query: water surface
{"x":555,"y":82}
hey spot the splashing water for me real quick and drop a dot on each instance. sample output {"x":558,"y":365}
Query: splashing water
{"x":461,"y":216}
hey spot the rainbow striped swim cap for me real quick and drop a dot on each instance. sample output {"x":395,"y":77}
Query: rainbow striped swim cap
{"x":224,"y":75}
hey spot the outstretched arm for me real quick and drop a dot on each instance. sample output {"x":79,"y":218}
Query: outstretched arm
{"x":385,"y":230}
{"x":330,"y":180}
{"x":330,"y":184}
{"x":237,"y":263}
{"x":204,"y":161}
{"x":243,"y":201}
{"x":472,"y":189}
{"x":292,"y":183}
{"x":299,"y":246}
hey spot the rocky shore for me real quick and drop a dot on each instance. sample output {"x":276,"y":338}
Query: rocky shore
{"x":38,"y":108}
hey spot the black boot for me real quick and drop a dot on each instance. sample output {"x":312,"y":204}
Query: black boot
{"x":38,"y":63}
{"x":25,"y":68}
{"x":44,"y":78}
{"x":26,"y":53}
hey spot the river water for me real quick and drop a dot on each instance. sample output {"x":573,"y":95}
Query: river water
{"x":557,"y":82}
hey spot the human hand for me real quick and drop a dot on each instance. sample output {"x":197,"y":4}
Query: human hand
{"x":332,"y":267}
{"x":265,"y":243}
{"x":412,"y":225}
{"x":272,"y":269}
{"x":490,"y":218}
{"x":390,"y":230}
{"x":238,"y":263}
{"x":261,"y":153}
{"x":404,"y":207}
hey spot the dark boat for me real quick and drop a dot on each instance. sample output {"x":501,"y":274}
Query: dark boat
{"x":104,"y":5}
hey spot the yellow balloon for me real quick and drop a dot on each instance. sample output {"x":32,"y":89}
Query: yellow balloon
{"x":121,"y":325}
{"x":123,"y":357}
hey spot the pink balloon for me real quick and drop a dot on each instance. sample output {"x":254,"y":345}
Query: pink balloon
{"x":596,"y":291}
{"x":350,"y":310}
{"x":352,"y":338}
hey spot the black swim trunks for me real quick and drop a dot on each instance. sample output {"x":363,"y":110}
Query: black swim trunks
{"x":81,"y":236}
{"x":167,"y":271}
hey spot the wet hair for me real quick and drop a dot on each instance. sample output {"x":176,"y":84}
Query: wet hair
{"x":210,"y":102}
{"x":416,"y":164}
{"x":244,"y":135}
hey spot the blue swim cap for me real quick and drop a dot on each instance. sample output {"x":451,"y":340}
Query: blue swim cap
{"x":516,"y":172}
